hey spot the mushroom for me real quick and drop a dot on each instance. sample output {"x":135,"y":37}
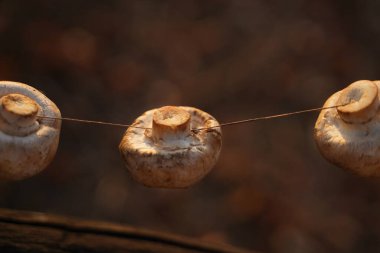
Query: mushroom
{"x":27,"y":142}
{"x":349,"y":135}
{"x":162,"y":149}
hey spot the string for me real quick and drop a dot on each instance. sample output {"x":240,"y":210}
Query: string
{"x":282,"y":115}
{"x":91,"y":122}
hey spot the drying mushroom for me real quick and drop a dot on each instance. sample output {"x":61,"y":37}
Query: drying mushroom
{"x":161,"y":149}
{"x":349,"y":135}
{"x":27,"y":143}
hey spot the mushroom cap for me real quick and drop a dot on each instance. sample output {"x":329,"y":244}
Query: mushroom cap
{"x":24,"y":154}
{"x":176,"y":160}
{"x":349,"y":145}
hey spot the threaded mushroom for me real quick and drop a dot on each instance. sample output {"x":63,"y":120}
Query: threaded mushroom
{"x":27,"y":143}
{"x":160,"y":150}
{"x":349,"y":135}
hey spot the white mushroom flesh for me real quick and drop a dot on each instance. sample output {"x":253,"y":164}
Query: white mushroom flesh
{"x":349,"y":136}
{"x":27,"y":143}
{"x":360,"y":101}
{"x":169,"y":154}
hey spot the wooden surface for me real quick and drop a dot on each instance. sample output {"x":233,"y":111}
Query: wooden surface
{"x":31,"y":232}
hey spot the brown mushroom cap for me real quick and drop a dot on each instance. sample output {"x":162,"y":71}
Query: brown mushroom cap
{"x":169,"y":154}
{"x":349,"y":136}
{"x":27,"y":143}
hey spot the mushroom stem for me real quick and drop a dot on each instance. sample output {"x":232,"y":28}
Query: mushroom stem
{"x":170,"y":121}
{"x":362,"y":102}
{"x":18,"y":115}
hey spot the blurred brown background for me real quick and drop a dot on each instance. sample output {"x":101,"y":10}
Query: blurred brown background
{"x":112,"y":60}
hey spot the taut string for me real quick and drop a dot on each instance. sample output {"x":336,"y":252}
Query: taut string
{"x":282,"y":115}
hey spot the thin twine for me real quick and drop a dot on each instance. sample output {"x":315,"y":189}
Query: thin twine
{"x":94,"y":122}
{"x":282,"y":115}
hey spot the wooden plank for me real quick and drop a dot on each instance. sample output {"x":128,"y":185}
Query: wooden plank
{"x":31,"y":232}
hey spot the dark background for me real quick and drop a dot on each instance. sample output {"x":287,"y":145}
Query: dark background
{"x":112,"y":60}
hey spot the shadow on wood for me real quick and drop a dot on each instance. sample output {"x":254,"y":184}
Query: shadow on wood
{"x":31,"y":232}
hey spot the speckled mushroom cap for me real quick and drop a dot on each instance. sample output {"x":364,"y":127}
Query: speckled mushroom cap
{"x":27,"y":143}
{"x":169,"y":154}
{"x":349,"y":136}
